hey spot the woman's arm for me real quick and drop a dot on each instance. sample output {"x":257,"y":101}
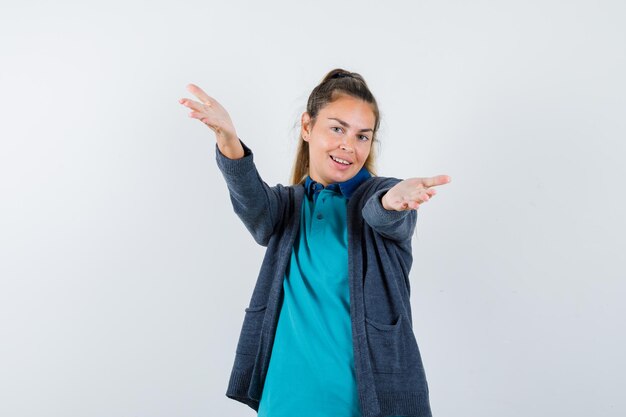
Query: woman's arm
{"x":392,"y":224}
{"x":392,"y":211}
{"x":258,"y":205}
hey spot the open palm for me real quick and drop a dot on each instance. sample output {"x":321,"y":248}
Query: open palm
{"x":410,"y":193}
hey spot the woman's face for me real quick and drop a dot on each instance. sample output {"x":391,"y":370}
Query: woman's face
{"x":343,"y":130}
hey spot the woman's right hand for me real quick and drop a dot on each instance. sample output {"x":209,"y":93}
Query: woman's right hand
{"x":210,"y":112}
{"x":410,"y":193}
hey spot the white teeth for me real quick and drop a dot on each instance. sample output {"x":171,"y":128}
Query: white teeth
{"x":340,"y":160}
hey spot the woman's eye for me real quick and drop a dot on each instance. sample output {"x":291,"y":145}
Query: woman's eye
{"x":362,"y":137}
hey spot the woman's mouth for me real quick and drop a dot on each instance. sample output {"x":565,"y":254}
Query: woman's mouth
{"x":340,"y":163}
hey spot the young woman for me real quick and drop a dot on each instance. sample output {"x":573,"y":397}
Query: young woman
{"x":328,"y":331}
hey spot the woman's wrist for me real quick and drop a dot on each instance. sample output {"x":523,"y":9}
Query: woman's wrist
{"x":383,"y":202}
{"x":231,"y":148}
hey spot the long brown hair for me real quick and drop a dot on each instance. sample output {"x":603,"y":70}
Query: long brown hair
{"x":335,"y":83}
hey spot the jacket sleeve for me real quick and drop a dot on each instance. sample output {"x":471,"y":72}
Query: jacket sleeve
{"x":257,"y":204}
{"x":392,"y":224}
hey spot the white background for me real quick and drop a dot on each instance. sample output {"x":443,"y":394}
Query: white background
{"x":124,"y":272}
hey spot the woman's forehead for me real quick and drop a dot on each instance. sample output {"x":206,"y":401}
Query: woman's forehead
{"x":355,"y":112}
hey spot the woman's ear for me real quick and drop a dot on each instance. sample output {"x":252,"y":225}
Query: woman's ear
{"x":306,"y":126}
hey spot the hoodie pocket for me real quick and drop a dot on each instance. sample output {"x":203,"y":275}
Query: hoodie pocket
{"x":251,"y":330}
{"x":387,"y":346}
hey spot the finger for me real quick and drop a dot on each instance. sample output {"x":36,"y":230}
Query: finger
{"x":417,"y":200}
{"x":200,"y":116}
{"x":197,"y":115}
{"x":436,"y":180}
{"x":431,"y":191}
{"x":192,"y":104}
{"x":422,"y":194}
{"x":423,"y":197}
{"x":198,"y":92}
{"x":407,"y":205}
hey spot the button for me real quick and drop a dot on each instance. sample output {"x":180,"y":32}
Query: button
{"x":323,"y":199}
{"x":320,"y":217}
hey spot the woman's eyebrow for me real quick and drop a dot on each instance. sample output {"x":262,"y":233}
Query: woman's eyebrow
{"x":344,"y":124}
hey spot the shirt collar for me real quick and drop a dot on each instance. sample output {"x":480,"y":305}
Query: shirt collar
{"x":312,"y":188}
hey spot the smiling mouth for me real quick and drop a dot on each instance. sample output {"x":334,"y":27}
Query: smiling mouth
{"x":341,"y":161}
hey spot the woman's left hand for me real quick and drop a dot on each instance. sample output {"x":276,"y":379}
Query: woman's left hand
{"x":410,"y":193}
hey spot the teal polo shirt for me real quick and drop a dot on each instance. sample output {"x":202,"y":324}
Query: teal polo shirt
{"x":311,"y":370}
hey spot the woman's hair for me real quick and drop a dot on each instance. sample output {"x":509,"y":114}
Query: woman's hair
{"x":334,"y":84}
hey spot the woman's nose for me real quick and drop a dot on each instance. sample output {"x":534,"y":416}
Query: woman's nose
{"x":346,"y":145}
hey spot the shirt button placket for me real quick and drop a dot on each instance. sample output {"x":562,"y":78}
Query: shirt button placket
{"x":322,"y":199}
